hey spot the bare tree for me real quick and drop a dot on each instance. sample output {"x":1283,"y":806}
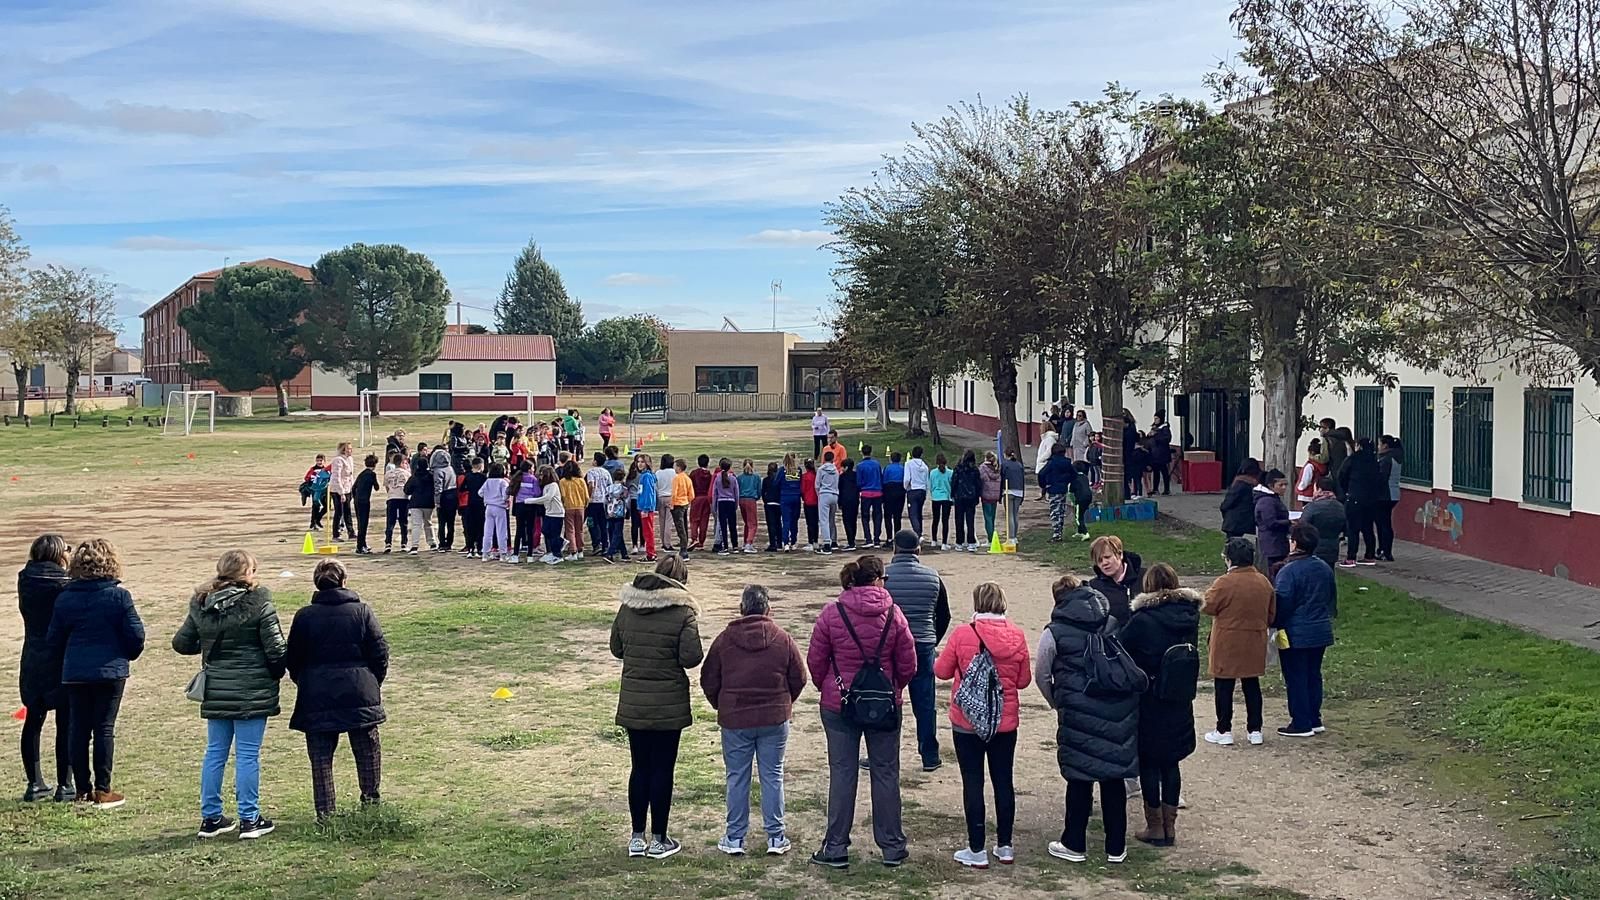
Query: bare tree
{"x":80,"y":308}
{"x":1484,"y":113}
{"x":24,"y":334}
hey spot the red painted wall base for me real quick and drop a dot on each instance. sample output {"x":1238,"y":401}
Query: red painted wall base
{"x":1503,"y":531}
{"x":460,"y":403}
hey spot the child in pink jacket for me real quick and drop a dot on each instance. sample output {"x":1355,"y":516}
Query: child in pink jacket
{"x":1008,"y":647}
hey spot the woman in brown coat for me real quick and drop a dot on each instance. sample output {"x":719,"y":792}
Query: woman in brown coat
{"x":1242,"y":602}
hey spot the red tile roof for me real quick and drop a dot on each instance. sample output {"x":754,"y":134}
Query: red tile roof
{"x":498,"y":347}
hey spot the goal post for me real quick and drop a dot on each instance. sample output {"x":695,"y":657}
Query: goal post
{"x":875,"y":409}
{"x":183,"y":406}
{"x":443,"y":402}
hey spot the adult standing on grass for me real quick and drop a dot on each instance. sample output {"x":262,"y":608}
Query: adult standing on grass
{"x":1238,"y":502}
{"x":819,"y":433}
{"x":840,"y":454}
{"x":341,"y":481}
{"x":1118,"y":574}
{"x":1081,"y":437}
{"x":1307,"y":602}
{"x":1272,"y":520}
{"x":1161,"y":454}
{"x":862,"y":651}
{"x":916,"y":485}
{"x":920,"y":595}
{"x":1366,"y":492}
{"x":1242,"y":604}
{"x":994,"y":736}
{"x":752,"y":675}
{"x":97,"y":632}
{"x":1161,"y":635}
{"x":656,"y":634}
{"x":39,"y":583}
{"x":1097,"y":731}
{"x":233,"y":627}
{"x":338,"y":657}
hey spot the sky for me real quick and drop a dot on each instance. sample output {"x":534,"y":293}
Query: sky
{"x":672,"y":158}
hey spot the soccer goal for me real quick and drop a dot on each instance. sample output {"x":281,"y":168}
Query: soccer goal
{"x":183,"y":406}
{"x":453,"y":403}
{"x":875,"y":409}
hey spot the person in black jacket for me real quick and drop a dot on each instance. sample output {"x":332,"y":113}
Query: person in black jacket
{"x":966,"y":486}
{"x":849,"y":502}
{"x":338,"y":657}
{"x":1238,"y":504}
{"x":1097,"y":734}
{"x":1117,"y":575}
{"x":38,"y":584}
{"x":1365,"y":494}
{"x":473,"y":513}
{"x":772,"y":501}
{"x":361,"y":495}
{"x":97,"y":632}
{"x":1161,"y":454}
{"x":1164,"y":616}
{"x":1055,"y":483}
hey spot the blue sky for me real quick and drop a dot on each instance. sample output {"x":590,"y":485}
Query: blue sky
{"x":669,"y":157}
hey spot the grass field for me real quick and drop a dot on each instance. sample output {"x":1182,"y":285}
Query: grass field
{"x":525,"y":797}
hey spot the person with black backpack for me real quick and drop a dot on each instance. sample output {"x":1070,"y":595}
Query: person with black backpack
{"x":1162,"y":635}
{"x":861,"y":659}
{"x":988,"y":661}
{"x":1094,"y":686}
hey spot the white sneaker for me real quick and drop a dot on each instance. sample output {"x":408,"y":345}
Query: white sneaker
{"x":778,"y":846}
{"x":637,"y":846}
{"x":1318,"y":729}
{"x":1119,"y":858}
{"x":1005,"y":855}
{"x":729,"y":847}
{"x":1220,"y":738}
{"x":1060,"y":851}
{"x":1257,"y":739}
{"x":549,"y":559}
{"x":973,"y":859}
{"x":808,"y":548}
{"x":513,"y":559}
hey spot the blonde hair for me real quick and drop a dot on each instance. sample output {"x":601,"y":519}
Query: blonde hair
{"x":343,"y":446}
{"x":989,"y":598}
{"x":96,"y":558}
{"x":1104,"y":543}
{"x":235,"y":567}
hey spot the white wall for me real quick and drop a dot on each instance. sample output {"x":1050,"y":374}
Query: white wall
{"x":473,"y":375}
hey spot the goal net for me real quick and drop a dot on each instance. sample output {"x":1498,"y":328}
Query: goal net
{"x":875,"y":409}
{"x":182,"y":409}
{"x":442,"y":402}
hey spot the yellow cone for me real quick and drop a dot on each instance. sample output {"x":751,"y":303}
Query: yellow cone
{"x":502,"y":694}
{"x":309,"y":546}
{"x":994,"y":544}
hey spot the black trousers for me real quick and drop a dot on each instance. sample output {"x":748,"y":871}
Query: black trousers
{"x":363,"y":516}
{"x":93,"y":707}
{"x":526,"y":535}
{"x":1001,"y":752}
{"x":319,"y":507}
{"x":941,"y":522}
{"x":1383,"y":519}
{"x":341,"y":514}
{"x":394,"y":511}
{"x":728,"y":524}
{"x":1252,"y":704}
{"x":894,"y":509}
{"x":966,"y":522}
{"x":1359,"y":525}
{"x":811,"y":523}
{"x":849,"y":512}
{"x":635,"y":524}
{"x":774,"y":525}
{"x":472,"y":526}
{"x":447,"y":527}
{"x":1163,"y":477}
{"x":817,"y":440}
{"x":33,"y":730}
{"x":1160,"y":785}
{"x":1113,"y":806}
{"x":655,"y":759}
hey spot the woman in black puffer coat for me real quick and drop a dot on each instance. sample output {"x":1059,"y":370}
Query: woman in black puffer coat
{"x":1164,"y":616}
{"x":1096,"y":735}
{"x":339,"y":658}
{"x":40,"y":677}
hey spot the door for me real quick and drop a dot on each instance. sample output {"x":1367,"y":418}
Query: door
{"x":1219,"y":421}
{"x":434,"y":402}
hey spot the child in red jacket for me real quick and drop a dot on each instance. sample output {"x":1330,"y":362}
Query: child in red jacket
{"x":808,"y":499}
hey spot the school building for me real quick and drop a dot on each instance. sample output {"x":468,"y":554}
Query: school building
{"x":500,"y":363}
{"x":713,"y":372}
{"x":1489,"y":466}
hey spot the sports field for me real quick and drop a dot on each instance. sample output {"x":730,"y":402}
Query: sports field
{"x":525,"y":797}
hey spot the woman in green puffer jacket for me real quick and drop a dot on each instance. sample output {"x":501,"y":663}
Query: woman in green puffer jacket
{"x":234,"y":628}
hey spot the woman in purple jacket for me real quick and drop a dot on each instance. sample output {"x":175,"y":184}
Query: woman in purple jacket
{"x":862,"y":625}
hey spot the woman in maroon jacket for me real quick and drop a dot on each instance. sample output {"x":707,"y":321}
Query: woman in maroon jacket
{"x":847,"y":635}
{"x":752,"y":676}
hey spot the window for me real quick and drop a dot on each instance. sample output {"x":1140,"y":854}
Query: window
{"x":1369,"y":412}
{"x":1088,"y":383}
{"x":504,"y":381}
{"x":434,"y":383}
{"x":1547,"y":447}
{"x":1040,"y":380}
{"x":1472,"y":431}
{"x":725,"y":379}
{"x":1416,"y":435}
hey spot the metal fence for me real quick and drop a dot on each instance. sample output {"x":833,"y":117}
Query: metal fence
{"x":1472,"y":433}
{"x":728,"y":403}
{"x":1416,"y":435}
{"x":1547,"y":447}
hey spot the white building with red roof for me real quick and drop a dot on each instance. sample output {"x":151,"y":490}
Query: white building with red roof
{"x":509,"y":365}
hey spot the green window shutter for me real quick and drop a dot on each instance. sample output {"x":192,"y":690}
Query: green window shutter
{"x":1416,"y":435}
{"x":1472,"y":433}
{"x":1547,"y":447}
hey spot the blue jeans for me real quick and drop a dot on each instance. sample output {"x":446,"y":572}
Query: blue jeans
{"x":1302,"y":683}
{"x":791,"y":522}
{"x":922,"y":706}
{"x":766,"y":745}
{"x":245,"y":736}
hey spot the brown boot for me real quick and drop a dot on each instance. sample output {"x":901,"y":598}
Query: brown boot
{"x":1154,"y":832}
{"x":1169,"y":824}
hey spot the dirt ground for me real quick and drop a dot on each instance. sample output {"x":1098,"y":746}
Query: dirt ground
{"x":1307,"y":816}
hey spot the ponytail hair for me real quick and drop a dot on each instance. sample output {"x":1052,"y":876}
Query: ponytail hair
{"x":861,"y":572}
{"x":235,"y":567}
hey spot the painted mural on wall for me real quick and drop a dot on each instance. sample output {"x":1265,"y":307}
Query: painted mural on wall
{"x":1448,"y":518}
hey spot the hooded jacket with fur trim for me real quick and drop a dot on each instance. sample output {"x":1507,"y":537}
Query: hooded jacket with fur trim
{"x":1159,"y":621}
{"x":656,"y":634}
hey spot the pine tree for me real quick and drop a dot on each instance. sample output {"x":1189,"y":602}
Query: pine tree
{"x":248,"y":327}
{"x":534,"y":301}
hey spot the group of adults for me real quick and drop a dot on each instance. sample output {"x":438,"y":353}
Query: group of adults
{"x":1147,"y":456}
{"x":82,"y":630}
{"x":879,"y":641}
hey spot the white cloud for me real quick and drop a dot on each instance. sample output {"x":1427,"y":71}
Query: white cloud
{"x":161,"y":243}
{"x":28,"y":108}
{"x":791,"y":237}
{"x":635,"y":279}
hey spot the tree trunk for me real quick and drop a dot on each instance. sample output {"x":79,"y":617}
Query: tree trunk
{"x":1003,"y":375}
{"x":915,"y":391}
{"x":1111,"y":381}
{"x":1282,"y":376}
{"x":21,"y":374}
{"x":72,"y":392}
{"x":283,"y":398}
{"x":933,"y":417}
{"x":374,"y":403}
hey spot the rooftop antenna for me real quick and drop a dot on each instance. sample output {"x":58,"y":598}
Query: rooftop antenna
{"x":727,"y":325}
{"x":777,"y":288}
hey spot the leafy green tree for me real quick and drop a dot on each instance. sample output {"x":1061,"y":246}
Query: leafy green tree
{"x":248,"y":327}
{"x":78,"y":309}
{"x":25,"y":332}
{"x":534,"y":301}
{"x":621,"y":350}
{"x":378,"y":311}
